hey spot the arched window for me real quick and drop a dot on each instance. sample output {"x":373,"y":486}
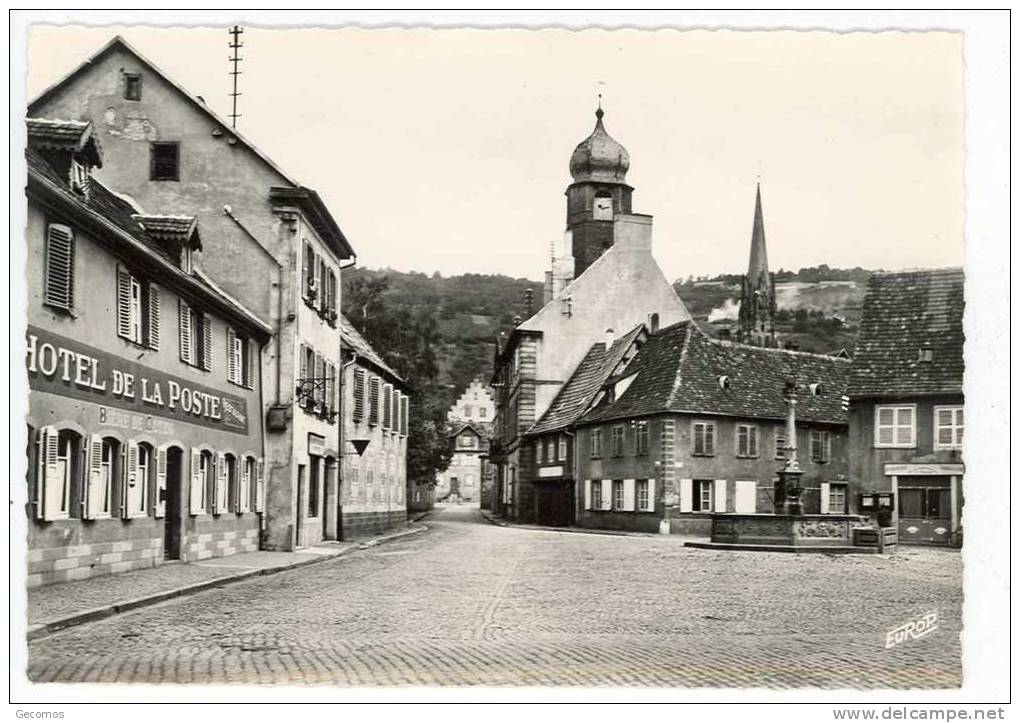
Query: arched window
{"x":602,"y":207}
{"x":102,"y":473}
{"x":145,"y":480}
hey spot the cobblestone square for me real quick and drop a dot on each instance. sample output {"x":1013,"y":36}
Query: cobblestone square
{"x":469,"y":603}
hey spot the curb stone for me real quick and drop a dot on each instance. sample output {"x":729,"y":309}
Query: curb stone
{"x":47,"y":627}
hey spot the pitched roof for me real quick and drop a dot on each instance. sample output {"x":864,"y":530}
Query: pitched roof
{"x":679,"y":369}
{"x":310,"y":201}
{"x":577,"y":394}
{"x":905,"y":312}
{"x":64,"y":135}
{"x":182,"y":229}
{"x":360,"y":346}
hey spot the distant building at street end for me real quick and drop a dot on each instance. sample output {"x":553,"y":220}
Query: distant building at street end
{"x":906,"y":401}
{"x":268,"y":241}
{"x":756,"y":319}
{"x":145,"y":423}
{"x":475,"y":405}
{"x":462,"y":480}
{"x":604,"y":281}
{"x":375,"y":416}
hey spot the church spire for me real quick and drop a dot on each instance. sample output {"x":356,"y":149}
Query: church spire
{"x":758,"y":295}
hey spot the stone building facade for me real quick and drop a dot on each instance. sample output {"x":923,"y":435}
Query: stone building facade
{"x":474,"y":405}
{"x":603,"y":279}
{"x":269,"y":242}
{"x":906,"y":403}
{"x":462,"y":479}
{"x":145,"y":432}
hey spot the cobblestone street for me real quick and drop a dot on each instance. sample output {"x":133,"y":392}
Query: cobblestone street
{"x":469,"y":603}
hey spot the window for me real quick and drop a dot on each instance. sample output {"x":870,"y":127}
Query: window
{"x":358,"y":408}
{"x":596,"y":494}
{"x":137,"y":310}
{"x":894,"y":426}
{"x":821,"y":446}
{"x":61,"y":480}
{"x":948,"y":427}
{"x":241,"y":360}
{"x":58,"y":283}
{"x":641,"y":438}
{"x":466,"y":440}
{"x":203,"y":481}
{"x":930,"y":503}
{"x":310,"y":289}
{"x":539,"y":451}
{"x":467,"y":411}
{"x":248,"y":499}
{"x":780,"y":436}
{"x":132,"y":86}
{"x":704,"y":439}
{"x":617,"y":440}
{"x":837,"y":498}
{"x":747,"y":440}
{"x":562,"y":456}
{"x":194,"y":336}
{"x":233,"y":490}
{"x":596,"y":443}
{"x":482,"y":412}
{"x":618,"y":501}
{"x":145,"y":475}
{"x":328,"y":295}
{"x":164,"y":160}
{"x":550,"y":450}
{"x":702,"y":501}
{"x":641,"y":490}
{"x":313,"y":485}
{"x":102,"y":469}
{"x":373,"y":401}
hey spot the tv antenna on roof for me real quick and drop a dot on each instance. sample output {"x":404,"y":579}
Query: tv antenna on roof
{"x":235,"y":45}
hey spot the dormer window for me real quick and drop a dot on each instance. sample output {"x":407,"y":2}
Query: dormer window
{"x":186,"y":259}
{"x":132,"y":86}
{"x":79,"y":176}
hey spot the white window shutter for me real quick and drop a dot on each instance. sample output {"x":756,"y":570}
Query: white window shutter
{"x":159,"y":492}
{"x":232,"y":360}
{"x":587,"y":494}
{"x":823,"y":501}
{"x":686,"y":495}
{"x":628,"y":495}
{"x":719,"y":496}
{"x":123,"y":303}
{"x":244,"y":494}
{"x":185,"y":335}
{"x":318,"y":282}
{"x":58,"y":284}
{"x":220,"y":496}
{"x":196,"y":503}
{"x":650,"y":506}
{"x":260,"y":485}
{"x":132,"y":487}
{"x":206,"y":342}
{"x":253,"y":363}
{"x":49,"y":480}
{"x":92,"y":490}
{"x":153,"y":339}
{"x":607,"y":494}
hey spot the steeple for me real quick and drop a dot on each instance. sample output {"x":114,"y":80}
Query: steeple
{"x":758,"y":295}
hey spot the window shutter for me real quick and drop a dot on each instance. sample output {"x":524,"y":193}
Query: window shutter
{"x":153,"y":339}
{"x":184,"y":327}
{"x":709,"y":439}
{"x":244,"y":489}
{"x":587,"y":494}
{"x":752,"y":441}
{"x":373,"y":401}
{"x":196,"y":503}
{"x":159,"y":491}
{"x":719,"y":496}
{"x":607,"y":494}
{"x":233,"y":364}
{"x":387,"y":405}
{"x":58,"y":284}
{"x":132,"y":488}
{"x":403,"y":414}
{"x":260,"y":485}
{"x":303,"y":363}
{"x":206,"y":343}
{"x":253,"y":363}
{"x":123,"y":303}
{"x":358,"y":411}
{"x":49,"y":483}
{"x":306,"y":259}
{"x":686,"y":495}
{"x":220,"y":494}
{"x":823,"y":501}
{"x":318,"y":282}
{"x":92,"y":490}
{"x":628,"y":495}
{"x":650,"y":506}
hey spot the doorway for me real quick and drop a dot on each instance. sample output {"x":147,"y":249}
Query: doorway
{"x":172,"y":492}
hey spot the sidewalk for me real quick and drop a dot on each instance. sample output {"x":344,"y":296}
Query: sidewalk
{"x":63,"y":605}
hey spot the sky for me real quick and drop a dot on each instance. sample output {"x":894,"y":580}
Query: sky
{"x":447,"y":150}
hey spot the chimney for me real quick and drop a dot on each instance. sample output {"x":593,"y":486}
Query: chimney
{"x":610,"y":338}
{"x":529,"y":298}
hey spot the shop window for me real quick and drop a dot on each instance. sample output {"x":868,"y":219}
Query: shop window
{"x":164,"y":161}
{"x":58,"y":282}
